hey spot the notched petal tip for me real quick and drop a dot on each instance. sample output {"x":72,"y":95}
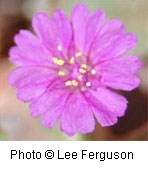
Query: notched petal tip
{"x":135,"y":63}
{"x":80,"y":10}
{"x":47,"y":124}
{"x":107,"y":106}
{"x":69,"y":132}
{"x":39,"y":20}
{"x":138,"y":63}
{"x":109,"y":123}
{"x":80,"y":6}
{"x":132,"y":40}
{"x":39,"y":15}
{"x":12,"y":51}
{"x":12,"y":77}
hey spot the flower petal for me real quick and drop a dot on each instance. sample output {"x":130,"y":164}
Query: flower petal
{"x":64,"y":30}
{"x":46,"y":30}
{"x":30,"y":75}
{"x":32,"y":91}
{"x":107,"y":35}
{"x":29,"y":50}
{"x":79,"y":18}
{"x":33,"y":81}
{"x":94,"y":25}
{"x":112,"y":41}
{"x":77,"y":116}
{"x":118,"y":81}
{"x":126,"y":43}
{"x":56,"y":31}
{"x":106,"y":105}
{"x":125,"y":65}
{"x":49,"y":106}
{"x":120,"y":73}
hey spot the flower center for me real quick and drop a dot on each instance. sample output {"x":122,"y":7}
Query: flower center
{"x":75,"y":72}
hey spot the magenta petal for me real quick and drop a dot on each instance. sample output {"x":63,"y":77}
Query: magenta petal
{"x":121,"y":82}
{"x":50,"y":106}
{"x":30,"y":75}
{"x":109,"y":33}
{"x":126,"y":43}
{"x":64,"y":30}
{"x":56,"y":31}
{"x":56,"y":102}
{"x":29,"y":92}
{"x":16,"y":57}
{"x":29,"y":50}
{"x":121,"y":73}
{"x":48,"y":33}
{"x":29,"y":57}
{"x":94,"y":25}
{"x":79,"y":18}
{"x":42,"y":19}
{"x":112,"y":27}
{"x":125,"y":65}
{"x":77,"y":116}
{"x":107,"y":106}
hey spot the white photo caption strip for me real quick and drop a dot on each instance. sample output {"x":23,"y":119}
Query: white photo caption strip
{"x":80,"y":156}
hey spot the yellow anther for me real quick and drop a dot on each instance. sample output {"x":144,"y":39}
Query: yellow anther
{"x":80,"y":77}
{"x":81,"y":70}
{"x":78,"y":54}
{"x":74,"y":83}
{"x":68,"y":83}
{"x":71,"y":83}
{"x":61,"y":73}
{"x":58,"y":61}
{"x":84,"y":66}
{"x":72,"y":60}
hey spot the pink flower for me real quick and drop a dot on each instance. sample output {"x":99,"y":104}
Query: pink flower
{"x":66,"y":70}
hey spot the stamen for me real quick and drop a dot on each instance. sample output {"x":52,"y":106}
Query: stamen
{"x":59,"y":47}
{"x":78,"y":54}
{"x":74,"y":83}
{"x":83,"y":71}
{"x":80,"y":77}
{"x":68,"y":83}
{"x":71,"y":82}
{"x":84,"y":66}
{"x":58,"y":61}
{"x":88,"y":84}
{"x":72,"y":60}
{"x":93,"y":71}
{"x":61,"y":73}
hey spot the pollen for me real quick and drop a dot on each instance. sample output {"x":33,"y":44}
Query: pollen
{"x":68,"y":83}
{"x":93,"y":71}
{"x":58,"y":61}
{"x":80,"y":77}
{"x":59,"y":47}
{"x":61,"y":73}
{"x":78,"y":54}
{"x":84,"y":66}
{"x":74,"y":83}
{"x":72,"y":60}
{"x":88,"y":84}
{"x":83,"y":71}
{"x":71,"y":83}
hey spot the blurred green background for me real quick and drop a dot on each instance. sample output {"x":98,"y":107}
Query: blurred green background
{"x":15,"y":120}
